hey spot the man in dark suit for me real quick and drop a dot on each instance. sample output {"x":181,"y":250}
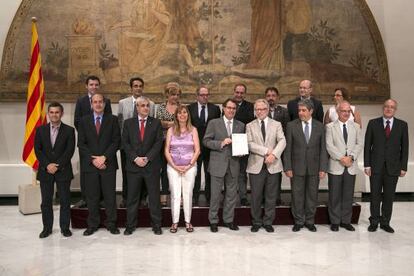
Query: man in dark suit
{"x":142,"y":140}
{"x":224,"y":168}
{"x":83,"y":107}
{"x":276,"y":112}
{"x":305,"y":162}
{"x":385,"y":159}
{"x":244,"y":114}
{"x":305,"y":91}
{"x":201,"y":112}
{"x":98,"y":141}
{"x":54,"y":148}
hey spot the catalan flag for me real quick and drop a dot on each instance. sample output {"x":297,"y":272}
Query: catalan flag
{"x":36,"y":112}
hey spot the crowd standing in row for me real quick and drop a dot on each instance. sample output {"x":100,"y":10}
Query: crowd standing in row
{"x":171,"y":145}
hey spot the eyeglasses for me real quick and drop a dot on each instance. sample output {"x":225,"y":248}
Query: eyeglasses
{"x":143,"y":105}
{"x":231,"y":108}
{"x":261,"y":109}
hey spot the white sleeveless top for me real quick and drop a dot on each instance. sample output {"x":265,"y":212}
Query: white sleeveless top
{"x":333,"y":115}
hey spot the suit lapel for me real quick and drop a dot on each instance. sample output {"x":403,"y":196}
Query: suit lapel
{"x":59,"y":136}
{"x":300,"y":130}
{"x":339,"y":131}
{"x":47,"y":133}
{"x":259,"y":130}
{"x":147,"y":128}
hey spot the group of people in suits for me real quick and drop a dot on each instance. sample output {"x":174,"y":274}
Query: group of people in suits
{"x":292,"y":140}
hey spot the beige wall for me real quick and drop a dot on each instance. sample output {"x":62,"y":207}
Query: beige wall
{"x":394,"y":19}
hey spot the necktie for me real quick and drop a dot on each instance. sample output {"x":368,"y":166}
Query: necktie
{"x":262,"y":127}
{"x":53,"y":135}
{"x":306,"y":132}
{"x":203,"y":114}
{"x":345,"y":133}
{"x":98,"y":124}
{"x":387,"y":129}
{"x":229,"y":128}
{"x":135,"y":112}
{"x":142,"y":129}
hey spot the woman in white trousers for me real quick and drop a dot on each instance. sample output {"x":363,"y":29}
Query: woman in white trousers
{"x":182,"y":148}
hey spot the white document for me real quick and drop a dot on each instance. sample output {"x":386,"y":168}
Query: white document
{"x":239,"y":144}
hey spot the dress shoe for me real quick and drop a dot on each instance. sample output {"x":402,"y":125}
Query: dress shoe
{"x":244,"y":202}
{"x":89,"y":231}
{"x":311,"y":227}
{"x":231,"y":226}
{"x":128,"y":231}
{"x":335,"y":227}
{"x":372,"y":228}
{"x":269,"y":228}
{"x":387,"y":228}
{"x":45,"y":233}
{"x":157,"y":230}
{"x":213,"y":227}
{"x":347,"y":226}
{"x":255,"y":228}
{"x":297,"y":227}
{"x":114,"y":230}
{"x":66,"y":232}
{"x":81,"y":204}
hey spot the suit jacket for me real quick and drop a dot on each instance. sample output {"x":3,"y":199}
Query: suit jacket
{"x":302,"y":158}
{"x":336,"y":147}
{"x":275,"y":140}
{"x":245,"y":112}
{"x":281,"y":115}
{"x":126,"y":110}
{"x":150,"y":147}
{"x":221,"y":158}
{"x":83,"y":108}
{"x":61,"y":153}
{"x":213,"y":113}
{"x":391,"y":152}
{"x":317,"y":114}
{"x":106,"y":143}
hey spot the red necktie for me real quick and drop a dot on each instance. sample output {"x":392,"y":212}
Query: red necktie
{"x":98,"y":124}
{"x":142,"y":129}
{"x":387,"y":129}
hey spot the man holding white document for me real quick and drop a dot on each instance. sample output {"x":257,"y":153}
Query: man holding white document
{"x":224,"y":166}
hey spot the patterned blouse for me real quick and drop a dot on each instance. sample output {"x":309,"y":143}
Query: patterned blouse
{"x":164,"y":115}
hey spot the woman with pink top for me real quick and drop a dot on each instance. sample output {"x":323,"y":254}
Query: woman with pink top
{"x":182,"y":149}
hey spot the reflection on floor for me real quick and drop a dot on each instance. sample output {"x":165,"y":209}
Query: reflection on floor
{"x":204,"y":253}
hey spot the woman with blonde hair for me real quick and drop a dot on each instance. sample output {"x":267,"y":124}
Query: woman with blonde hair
{"x":182,"y":148}
{"x":165,"y":113}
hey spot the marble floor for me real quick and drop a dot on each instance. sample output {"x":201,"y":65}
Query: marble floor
{"x":206,"y":253}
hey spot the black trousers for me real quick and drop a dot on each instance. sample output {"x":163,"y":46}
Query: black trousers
{"x":46,"y":190}
{"x":383,"y":188}
{"x":125,"y":179}
{"x":204,"y":158}
{"x":135,"y":183}
{"x":97,"y":183}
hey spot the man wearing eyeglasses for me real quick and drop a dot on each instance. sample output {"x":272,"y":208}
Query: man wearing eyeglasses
{"x":202,"y":112}
{"x":223,"y":167}
{"x":344,"y":144}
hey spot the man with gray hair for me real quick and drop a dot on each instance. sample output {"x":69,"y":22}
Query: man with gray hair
{"x":344,"y":144}
{"x":305,"y":162}
{"x":266,"y":144}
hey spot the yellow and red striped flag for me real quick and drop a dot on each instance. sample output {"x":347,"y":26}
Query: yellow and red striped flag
{"x":36,"y":112}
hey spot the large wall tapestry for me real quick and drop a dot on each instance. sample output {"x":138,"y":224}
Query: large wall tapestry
{"x":334,"y":43}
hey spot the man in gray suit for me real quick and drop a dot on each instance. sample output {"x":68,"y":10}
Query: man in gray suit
{"x":127,"y":109}
{"x":305,"y":162}
{"x":223,"y":167}
{"x":344,"y":144}
{"x":266,"y":144}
